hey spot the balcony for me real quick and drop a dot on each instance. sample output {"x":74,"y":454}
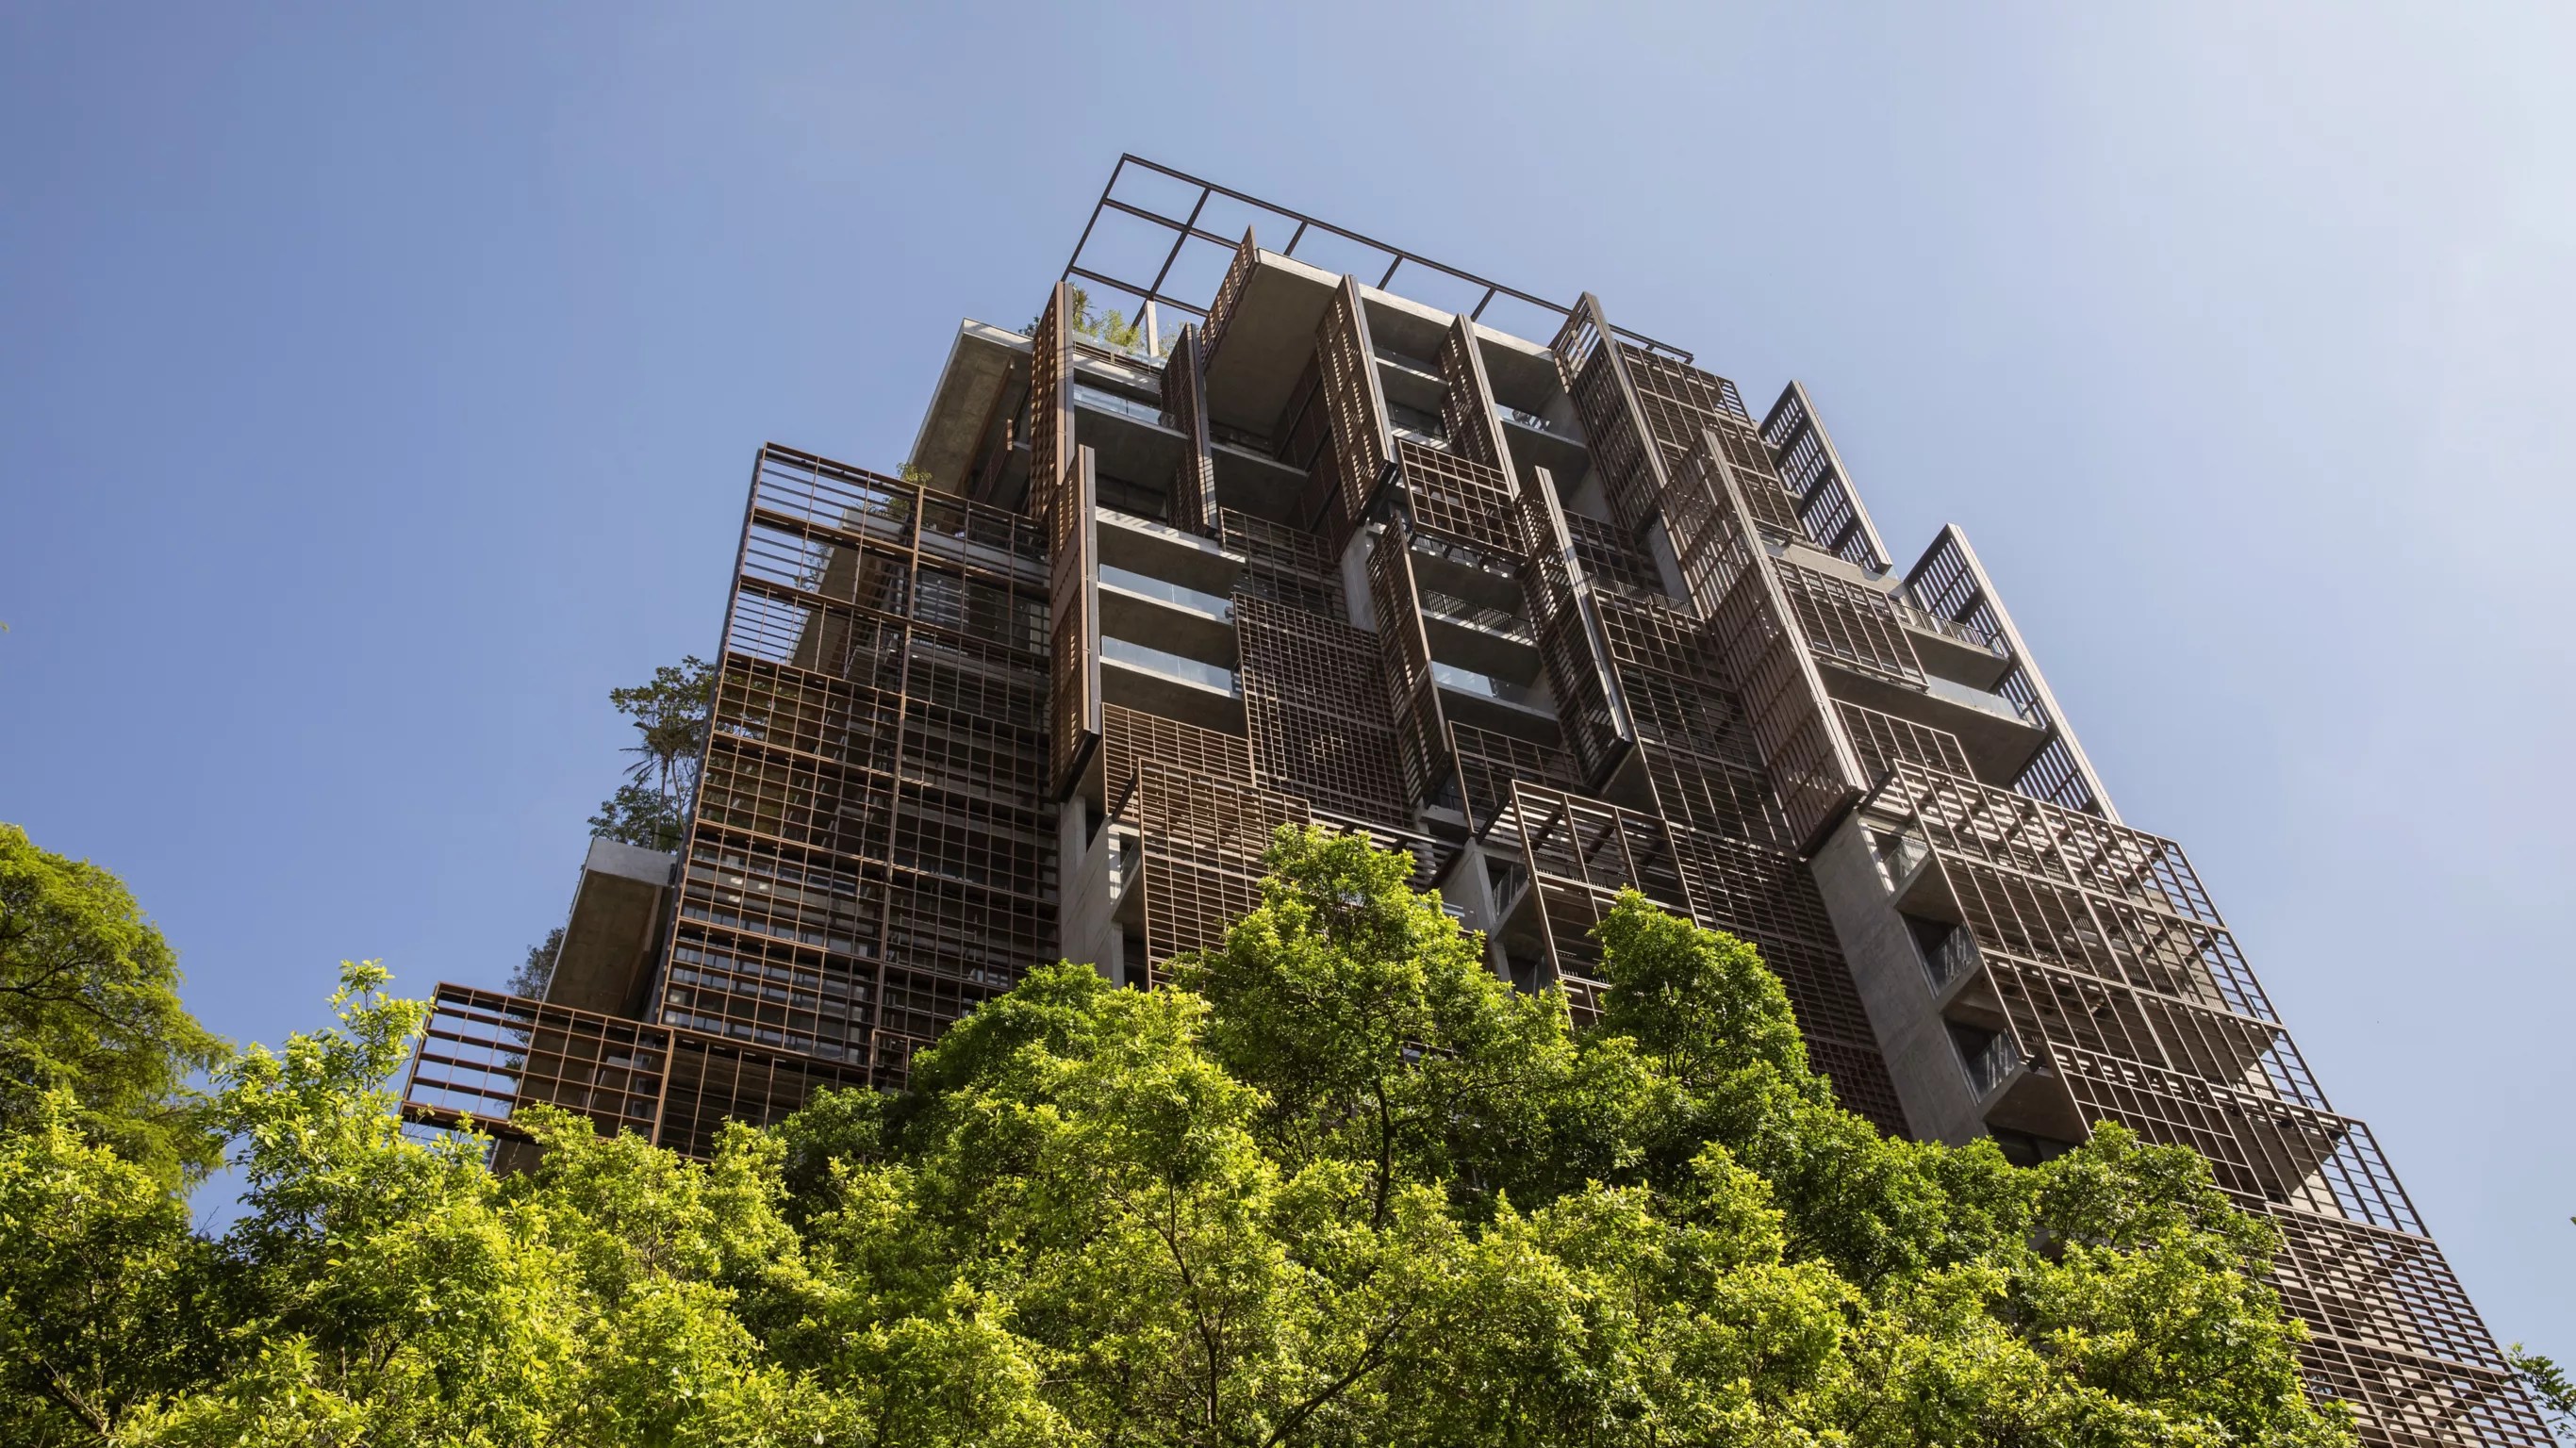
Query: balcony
{"x":1485,"y":686}
{"x":1419,"y":424}
{"x":1421,"y":366}
{"x":1193,"y":672}
{"x":1493,"y":703}
{"x":1565,"y":432}
{"x":1184,"y":622}
{"x":1990,"y":1059}
{"x":1164,"y":591}
{"x":1999,"y":736}
{"x":1453,"y":609}
{"x":1101,"y":399}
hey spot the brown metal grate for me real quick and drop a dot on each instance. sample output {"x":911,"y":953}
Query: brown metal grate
{"x":1314,"y":701}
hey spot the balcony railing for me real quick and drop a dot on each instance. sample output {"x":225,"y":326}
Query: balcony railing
{"x":1170,"y":666}
{"x":1134,"y":350}
{"x":1953,"y":957}
{"x":1989,"y":1064}
{"x":1459,"y":611}
{"x":1165,"y":591}
{"x":2026,"y":711}
{"x":1118,"y":402}
{"x":1899,"y":854}
{"x":1468,"y":681}
{"x":1966,"y":633}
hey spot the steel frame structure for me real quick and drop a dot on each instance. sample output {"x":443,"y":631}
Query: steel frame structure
{"x":1578,"y":623}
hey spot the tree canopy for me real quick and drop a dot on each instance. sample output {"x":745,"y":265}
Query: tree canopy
{"x":89,"y":1007}
{"x":669,"y":712}
{"x":1337,"y":1185}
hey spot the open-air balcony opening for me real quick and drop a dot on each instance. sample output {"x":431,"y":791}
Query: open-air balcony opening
{"x":1415,"y":423}
{"x":1124,"y":404}
{"x":1949,"y":952}
{"x":1988,"y":1057}
{"x":1395,"y":358}
{"x":2026,"y":1148}
{"x":1135,"y":499}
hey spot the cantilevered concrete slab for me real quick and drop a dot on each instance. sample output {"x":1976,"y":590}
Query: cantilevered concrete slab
{"x":983,"y":364}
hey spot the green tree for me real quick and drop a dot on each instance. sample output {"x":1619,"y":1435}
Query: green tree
{"x":1338,"y":1186}
{"x":669,"y":712}
{"x":2549,"y":1385}
{"x":1112,"y":327}
{"x":538,"y":970}
{"x":89,"y":1008}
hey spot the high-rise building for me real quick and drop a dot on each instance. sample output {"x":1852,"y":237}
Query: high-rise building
{"x":1312,"y":529}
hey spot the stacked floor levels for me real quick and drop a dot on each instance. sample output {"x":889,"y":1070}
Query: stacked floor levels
{"x":1559,"y":614}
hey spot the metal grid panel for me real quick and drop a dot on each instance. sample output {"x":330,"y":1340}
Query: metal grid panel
{"x":2050,"y":1004}
{"x":484,"y":1054}
{"x":1828,"y":508}
{"x":1762,"y":656}
{"x":1404,"y":657}
{"x":1131,"y":737}
{"x":1767,"y":897}
{"x":1185,"y":410}
{"x":1467,"y":408}
{"x":1460,"y":500}
{"x":1315,"y":706}
{"x":1679,"y":403}
{"x":1353,"y":405}
{"x":1202,"y":842}
{"x":1852,"y":624}
{"x":713,"y":1081}
{"x":2396,"y":1336}
{"x":1948,"y":583}
{"x":1229,"y":292}
{"x":1881,"y":740}
{"x":795,"y":797}
{"x":870,"y":833}
{"x":1050,"y":404}
{"x":1701,"y":793}
{"x":1630,"y":469}
{"x":1572,"y":646}
{"x":1283,"y":564}
{"x":1645,"y":635}
{"x":1611,"y":560}
{"x":1598,"y":846}
{"x":1488,"y":763}
{"x":1073,"y":719}
{"x":2121,"y":983}
{"x":773,"y":992}
{"x":1691,"y":716}
{"x":2262,"y":1150}
{"x":1577,"y":854}
{"x":1186,"y":229}
{"x":2029,"y":916}
{"x":2015,"y":832}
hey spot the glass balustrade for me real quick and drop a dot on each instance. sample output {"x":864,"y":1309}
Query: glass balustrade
{"x":1170,"y":666}
{"x":1166,"y":591}
{"x":1468,"y":681}
{"x":1104,"y":400}
{"x":1989,"y":1063}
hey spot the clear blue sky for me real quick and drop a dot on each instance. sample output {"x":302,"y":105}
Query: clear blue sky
{"x":378,"y":386}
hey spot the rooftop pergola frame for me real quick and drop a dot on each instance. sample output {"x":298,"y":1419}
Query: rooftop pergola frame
{"x":1172,"y":251}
